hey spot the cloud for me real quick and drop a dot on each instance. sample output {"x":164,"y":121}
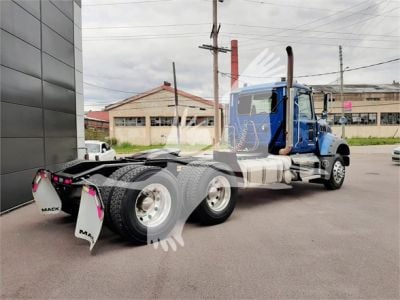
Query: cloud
{"x":140,"y":58}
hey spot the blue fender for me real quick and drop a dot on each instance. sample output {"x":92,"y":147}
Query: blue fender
{"x":329,"y":144}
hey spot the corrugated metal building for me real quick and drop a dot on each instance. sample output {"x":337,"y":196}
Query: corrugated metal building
{"x":41,"y":91}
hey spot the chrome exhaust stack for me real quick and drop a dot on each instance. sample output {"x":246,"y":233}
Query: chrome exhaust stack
{"x":289,"y":104}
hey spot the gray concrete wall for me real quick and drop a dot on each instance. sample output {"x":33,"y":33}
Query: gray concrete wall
{"x":39,"y":88}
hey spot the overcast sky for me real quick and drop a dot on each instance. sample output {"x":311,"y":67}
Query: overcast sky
{"x":129,"y":45}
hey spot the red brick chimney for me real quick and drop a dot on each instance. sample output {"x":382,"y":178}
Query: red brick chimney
{"x":234,"y":65}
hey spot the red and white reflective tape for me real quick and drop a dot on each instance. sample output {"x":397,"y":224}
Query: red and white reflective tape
{"x":41,"y":175}
{"x":100,"y":210}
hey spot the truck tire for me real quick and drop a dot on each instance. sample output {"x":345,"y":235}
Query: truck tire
{"x":107,"y":189}
{"x":70,"y":205}
{"x":70,"y":164}
{"x":338,"y":173}
{"x":146,"y":207}
{"x":209,"y":189}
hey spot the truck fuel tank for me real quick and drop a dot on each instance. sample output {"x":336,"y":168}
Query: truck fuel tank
{"x":268,"y":170}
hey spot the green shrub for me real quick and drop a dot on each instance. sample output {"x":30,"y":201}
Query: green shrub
{"x":92,"y":134}
{"x":111,"y":141}
{"x":125,"y":145}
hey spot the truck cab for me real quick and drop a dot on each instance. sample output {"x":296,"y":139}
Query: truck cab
{"x":257,"y":121}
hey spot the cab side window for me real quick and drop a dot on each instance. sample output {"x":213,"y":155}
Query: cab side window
{"x":258,"y":104}
{"x":305,"y":108}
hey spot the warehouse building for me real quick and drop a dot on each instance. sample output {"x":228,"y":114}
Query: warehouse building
{"x":149,"y":118}
{"x":42,"y":112}
{"x":371,"y":110}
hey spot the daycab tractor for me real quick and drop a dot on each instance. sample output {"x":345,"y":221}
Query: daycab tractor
{"x":274,"y":138}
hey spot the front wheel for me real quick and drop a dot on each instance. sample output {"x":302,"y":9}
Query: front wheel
{"x":338,"y":173}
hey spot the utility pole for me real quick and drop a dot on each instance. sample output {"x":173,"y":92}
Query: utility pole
{"x":176,"y":106}
{"x":341,"y":90}
{"x":214,"y":33}
{"x":215,"y":50}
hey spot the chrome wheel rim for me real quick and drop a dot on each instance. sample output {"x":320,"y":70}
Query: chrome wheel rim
{"x":338,"y":172}
{"x":153,"y":205}
{"x":218,"y":193}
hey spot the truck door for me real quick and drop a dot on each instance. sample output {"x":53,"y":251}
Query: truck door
{"x":304,"y":124}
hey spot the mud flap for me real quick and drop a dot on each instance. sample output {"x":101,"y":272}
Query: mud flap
{"x":90,"y":216}
{"x":44,"y":193}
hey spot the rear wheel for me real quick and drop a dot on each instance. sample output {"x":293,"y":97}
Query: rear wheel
{"x":338,"y":173}
{"x":107,"y":189}
{"x":209,"y":190}
{"x":147,"y":205}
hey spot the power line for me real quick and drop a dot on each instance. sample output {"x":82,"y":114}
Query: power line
{"x":326,"y":73}
{"x":366,"y":19}
{"x":251,"y":76}
{"x":145,"y":26}
{"x":346,"y":10}
{"x":309,"y":30}
{"x":133,"y":93}
{"x":123,"y":3}
{"x":310,"y":37}
{"x":352,"y":14}
{"x":143,"y":37}
{"x":361,"y":21}
{"x":325,"y":17}
{"x":110,"y":89}
{"x":306,"y":7}
{"x":307,"y":43}
{"x":351,"y":69}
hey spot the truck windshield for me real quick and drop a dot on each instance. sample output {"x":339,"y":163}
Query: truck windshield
{"x":93,"y":148}
{"x":255,"y":104}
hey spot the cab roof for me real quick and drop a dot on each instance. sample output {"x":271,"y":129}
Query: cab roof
{"x":267,"y":86}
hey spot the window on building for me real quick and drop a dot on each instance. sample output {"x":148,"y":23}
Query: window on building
{"x":199,"y":121}
{"x":336,"y":119}
{"x":130,"y":121}
{"x":390,"y":118}
{"x":356,"y":118}
{"x":163,"y":121}
{"x":373,"y":99}
{"x":190,"y":121}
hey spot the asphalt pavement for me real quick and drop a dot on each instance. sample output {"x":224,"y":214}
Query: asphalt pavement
{"x":301,"y":243}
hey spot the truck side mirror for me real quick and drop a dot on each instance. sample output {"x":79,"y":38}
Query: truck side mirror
{"x":326,"y":100}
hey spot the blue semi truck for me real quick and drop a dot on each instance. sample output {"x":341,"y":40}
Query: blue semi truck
{"x":275,"y":138}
